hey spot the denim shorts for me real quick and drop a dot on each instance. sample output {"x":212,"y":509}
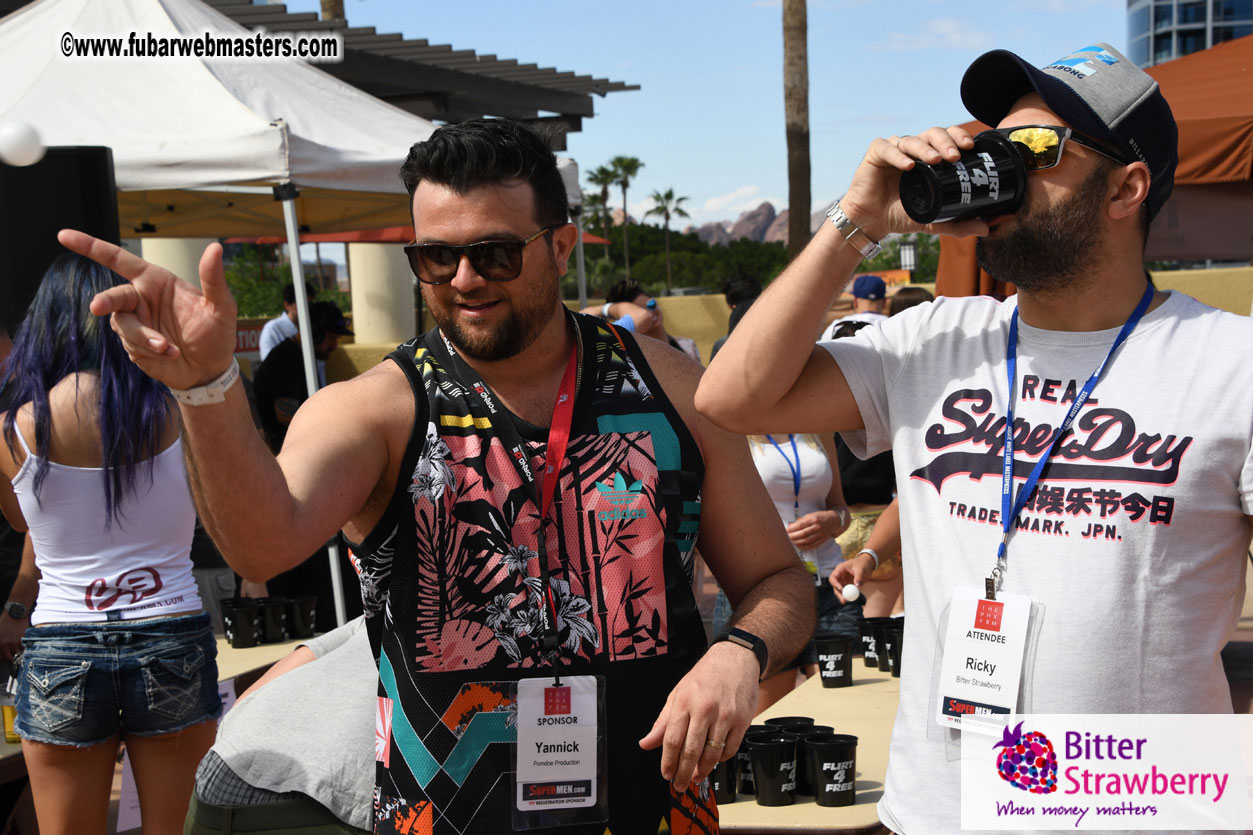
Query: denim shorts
{"x":78,"y":683}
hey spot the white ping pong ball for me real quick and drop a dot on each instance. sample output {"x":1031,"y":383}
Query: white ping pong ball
{"x":851,"y":593}
{"x":19,"y":144}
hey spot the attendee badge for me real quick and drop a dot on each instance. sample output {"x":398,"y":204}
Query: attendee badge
{"x":558,"y":751}
{"x":981,"y":669}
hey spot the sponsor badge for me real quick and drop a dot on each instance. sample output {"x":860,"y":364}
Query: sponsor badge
{"x":981,"y":669}
{"x":557,"y":764}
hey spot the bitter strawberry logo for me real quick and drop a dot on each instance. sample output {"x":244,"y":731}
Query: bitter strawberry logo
{"x":1028,"y":761}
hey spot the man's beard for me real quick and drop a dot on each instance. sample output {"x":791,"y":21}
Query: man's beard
{"x":528,"y":313}
{"x":1049,"y":248}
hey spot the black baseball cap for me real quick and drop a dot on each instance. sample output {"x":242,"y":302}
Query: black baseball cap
{"x":329,"y":317}
{"x":1098,"y":92}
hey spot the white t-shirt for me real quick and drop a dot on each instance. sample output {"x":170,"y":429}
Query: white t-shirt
{"x":136,"y":567}
{"x":1137,"y":546}
{"x":688,"y":346}
{"x":815,"y":472}
{"x":868,"y":317}
{"x":274,"y":332}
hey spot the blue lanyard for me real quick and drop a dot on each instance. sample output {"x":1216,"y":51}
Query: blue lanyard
{"x":1008,"y":515}
{"x":796,"y":470}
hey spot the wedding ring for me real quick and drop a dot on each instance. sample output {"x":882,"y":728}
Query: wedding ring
{"x":718,"y":745}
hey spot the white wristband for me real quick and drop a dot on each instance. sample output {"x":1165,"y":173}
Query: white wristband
{"x":872,"y":554}
{"x":604,"y":310}
{"x":214,"y":392}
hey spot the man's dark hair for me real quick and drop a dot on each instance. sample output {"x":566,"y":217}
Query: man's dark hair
{"x":624,"y":291}
{"x":847,"y":329}
{"x":289,"y":293}
{"x":741,"y":290}
{"x":483,"y":152}
{"x":907,"y":297}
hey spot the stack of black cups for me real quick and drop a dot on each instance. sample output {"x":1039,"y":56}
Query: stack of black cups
{"x":877,"y":643}
{"x":249,"y":621}
{"x":789,"y":756}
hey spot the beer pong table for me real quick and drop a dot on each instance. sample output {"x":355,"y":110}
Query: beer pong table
{"x":233,"y":663}
{"x":867,"y":710}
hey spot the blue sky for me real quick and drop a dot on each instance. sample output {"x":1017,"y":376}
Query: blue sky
{"x":708,"y":119}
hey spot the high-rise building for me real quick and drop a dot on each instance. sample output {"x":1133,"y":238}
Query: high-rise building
{"x":1158,"y":30}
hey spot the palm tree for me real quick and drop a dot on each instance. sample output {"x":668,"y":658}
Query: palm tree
{"x":594,"y":205}
{"x":666,"y":205}
{"x":604,"y":177}
{"x":625,"y":169}
{"x":796,"y":122}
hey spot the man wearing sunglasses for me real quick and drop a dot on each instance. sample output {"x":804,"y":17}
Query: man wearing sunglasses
{"x":1129,"y":533}
{"x":526,"y":487}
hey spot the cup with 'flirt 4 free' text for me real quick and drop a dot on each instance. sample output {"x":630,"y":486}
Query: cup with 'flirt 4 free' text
{"x":833,"y":764}
{"x":773,"y":759}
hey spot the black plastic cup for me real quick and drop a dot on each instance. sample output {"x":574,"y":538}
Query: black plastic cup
{"x":868,"y":655}
{"x":747,"y":786}
{"x":784,"y":721}
{"x":835,"y":661}
{"x":725,"y":777}
{"x":241,"y":621}
{"x":895,"y":637}
{"x":301,"y":616}
{"x":833,"y":763}
{"x":273,"y":619}
{"x":989,"y":180}
{"x":880,"y":627}
{"x":804,"y":781}
{"x":774,"y":768}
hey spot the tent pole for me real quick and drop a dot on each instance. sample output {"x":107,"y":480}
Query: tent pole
{"x":578,"y":260}
{"x":286,"y":193}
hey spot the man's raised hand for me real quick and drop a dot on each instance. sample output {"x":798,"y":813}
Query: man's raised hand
{"x":177,"y":333}
{"x":873,"y":200}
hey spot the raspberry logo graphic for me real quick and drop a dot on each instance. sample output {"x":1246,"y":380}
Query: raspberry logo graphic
{"x":1027,"y":761}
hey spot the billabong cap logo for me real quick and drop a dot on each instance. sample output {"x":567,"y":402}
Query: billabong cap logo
{"x":1082,"y":60}
{"x":1027,"y":761}
{"x":620,"y":493}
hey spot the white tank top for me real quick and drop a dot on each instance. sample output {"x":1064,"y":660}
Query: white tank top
{"x":815,"y":478}
{"x":138,"y":568}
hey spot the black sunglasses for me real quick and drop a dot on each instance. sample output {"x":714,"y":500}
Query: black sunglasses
{"x":1041,"y":145}
{"x":493,"y":260}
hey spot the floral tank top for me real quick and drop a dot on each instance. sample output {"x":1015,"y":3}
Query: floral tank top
{"x":451,"y":588}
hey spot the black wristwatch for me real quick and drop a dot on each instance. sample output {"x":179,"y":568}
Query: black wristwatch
{"x":749,"y":641}
{"x":16,"y":610}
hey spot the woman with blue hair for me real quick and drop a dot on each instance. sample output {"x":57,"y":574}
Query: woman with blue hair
{"x":119,"y":647}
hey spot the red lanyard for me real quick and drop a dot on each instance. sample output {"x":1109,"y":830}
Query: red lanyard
{"x":558,"y":434}
{"x":558,"y":438}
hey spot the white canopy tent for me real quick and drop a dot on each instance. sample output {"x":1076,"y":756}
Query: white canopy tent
{"x":208,"y":147}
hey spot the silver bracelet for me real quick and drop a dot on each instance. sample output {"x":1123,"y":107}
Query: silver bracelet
{"x":214,"y":392}
{"x":874,"y":556}
{"x":853,"y":233}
